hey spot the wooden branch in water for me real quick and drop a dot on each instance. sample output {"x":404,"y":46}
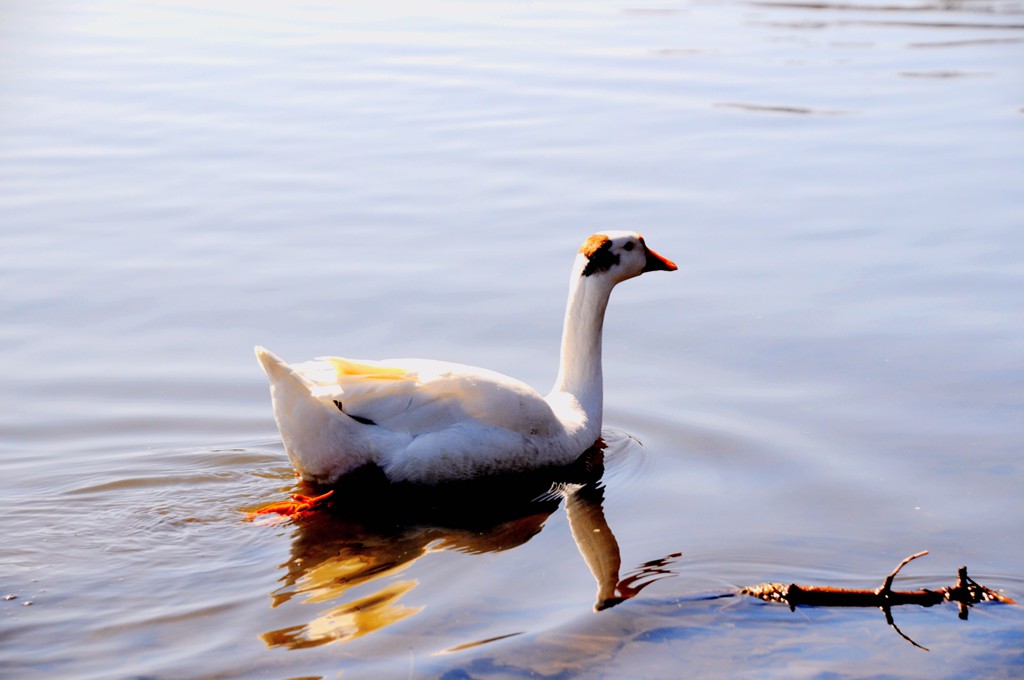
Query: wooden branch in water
{"x":965,"y":592}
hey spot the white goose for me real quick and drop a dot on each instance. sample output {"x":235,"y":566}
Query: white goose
{"x":432,"y":421}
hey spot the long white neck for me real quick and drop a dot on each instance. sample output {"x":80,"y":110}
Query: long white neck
{"x":579,"y":373}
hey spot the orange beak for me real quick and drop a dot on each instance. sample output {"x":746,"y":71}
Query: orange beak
{"x":657,"y":263}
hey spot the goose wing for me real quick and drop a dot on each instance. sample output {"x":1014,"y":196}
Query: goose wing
{"x":418,"y":396}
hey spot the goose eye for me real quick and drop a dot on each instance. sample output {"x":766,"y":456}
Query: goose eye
{"x":628,"y":246}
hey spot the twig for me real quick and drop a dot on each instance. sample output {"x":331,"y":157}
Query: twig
{"x":886,"y":589}
{"x":965,"y":592}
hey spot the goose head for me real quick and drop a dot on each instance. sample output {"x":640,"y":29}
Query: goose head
{"x":619,"y":255}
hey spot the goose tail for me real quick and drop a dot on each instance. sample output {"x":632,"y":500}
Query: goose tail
{"x":278,"y":371}
{"x":316,"y":440}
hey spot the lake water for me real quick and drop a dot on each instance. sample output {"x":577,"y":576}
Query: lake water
{"x":832,"y":380}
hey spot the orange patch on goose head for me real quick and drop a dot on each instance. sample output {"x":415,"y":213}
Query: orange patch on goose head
{"x":593,"y":244}
{"x":598,"y":251}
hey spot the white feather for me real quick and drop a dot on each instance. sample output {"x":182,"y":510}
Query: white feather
{"x":430,"y":421}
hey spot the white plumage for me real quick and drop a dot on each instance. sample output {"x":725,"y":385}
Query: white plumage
{"x":432,"y":421}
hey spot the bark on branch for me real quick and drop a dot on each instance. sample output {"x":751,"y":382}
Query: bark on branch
{"x":965,"y":593}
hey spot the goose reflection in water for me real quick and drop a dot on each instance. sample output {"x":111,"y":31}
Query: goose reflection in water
{"x":381,"y":529}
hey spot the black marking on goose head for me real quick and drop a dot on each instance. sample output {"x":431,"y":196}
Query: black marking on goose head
{"x":600,"y":258}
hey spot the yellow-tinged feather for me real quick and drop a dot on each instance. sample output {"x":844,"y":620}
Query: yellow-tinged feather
{"x":346,"y":368}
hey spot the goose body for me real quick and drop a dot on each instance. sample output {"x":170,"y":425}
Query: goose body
{"x":428,"y":421}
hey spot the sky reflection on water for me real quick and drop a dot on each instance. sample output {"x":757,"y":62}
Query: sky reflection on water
{"x":832,"y":381}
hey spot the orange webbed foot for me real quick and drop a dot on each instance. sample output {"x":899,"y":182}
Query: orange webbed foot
{"x":298,"y":506}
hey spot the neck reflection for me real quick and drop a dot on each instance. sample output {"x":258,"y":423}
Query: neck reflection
{"x":349,"y":564}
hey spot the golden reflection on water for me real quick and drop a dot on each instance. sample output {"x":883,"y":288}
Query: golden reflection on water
{"x":348,"y":621}
{"x":373,"y":542}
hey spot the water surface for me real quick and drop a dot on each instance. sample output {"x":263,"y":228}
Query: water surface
{"x":830,"y":382}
